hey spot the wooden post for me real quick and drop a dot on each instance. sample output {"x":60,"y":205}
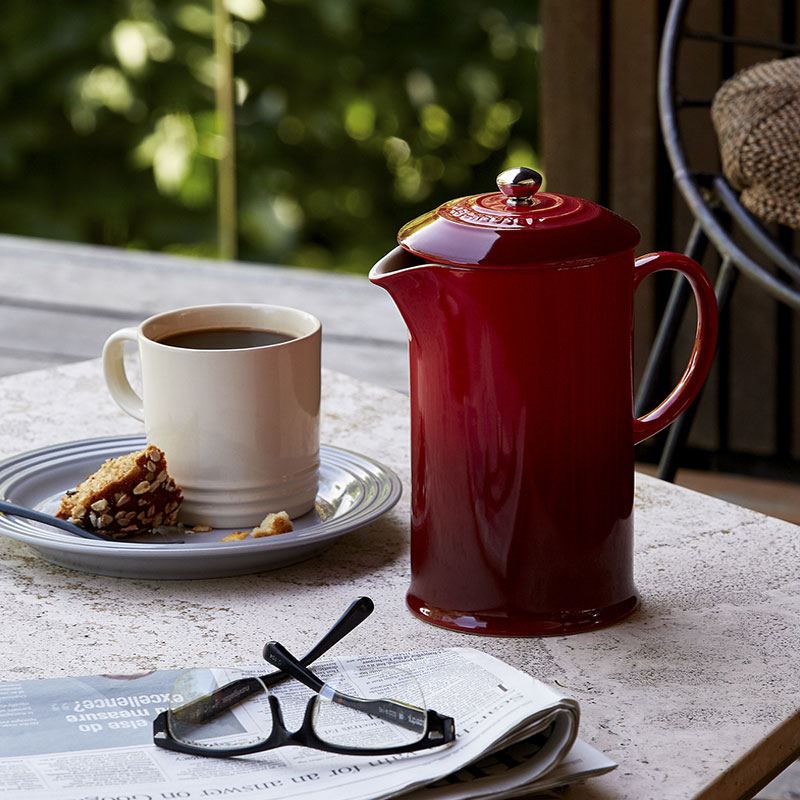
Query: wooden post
{"x":571,"y":94}
{"x":226,"y":165}
{"x":599,"y":118}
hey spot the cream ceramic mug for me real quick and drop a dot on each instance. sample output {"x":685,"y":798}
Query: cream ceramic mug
{"x":239,"y":427}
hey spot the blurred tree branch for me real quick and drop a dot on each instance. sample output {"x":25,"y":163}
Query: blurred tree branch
{"x":226,"y":165}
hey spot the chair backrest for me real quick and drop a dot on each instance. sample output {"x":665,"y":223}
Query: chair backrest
{"x":731,"y":36}
{"x":713,"y":203}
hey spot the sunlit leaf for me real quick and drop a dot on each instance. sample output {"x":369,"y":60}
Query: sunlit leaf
{"x":169,"y":150}
{"x":251,"y":10}
{"x":130,"y":46}
{"x":195,"y":18}
{"x":359,"y":119}
{"x":436,"y":122}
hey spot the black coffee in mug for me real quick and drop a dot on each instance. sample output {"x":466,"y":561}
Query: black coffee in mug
{"x":225,"y":338}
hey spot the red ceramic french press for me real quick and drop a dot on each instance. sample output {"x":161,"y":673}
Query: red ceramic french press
{"x":519,"y":305}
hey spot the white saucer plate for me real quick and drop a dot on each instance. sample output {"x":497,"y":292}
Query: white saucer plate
{"x":353,"y":491}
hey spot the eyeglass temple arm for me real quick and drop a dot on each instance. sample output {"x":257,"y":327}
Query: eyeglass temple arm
{"x":206,"y":708}
{"x":356,"y":613}
{"x":212,"y":705}
{"x":400,"y":714}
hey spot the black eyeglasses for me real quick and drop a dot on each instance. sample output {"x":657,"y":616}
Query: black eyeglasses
{"x":223,"y":713}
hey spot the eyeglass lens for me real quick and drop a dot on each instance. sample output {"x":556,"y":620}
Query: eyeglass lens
{"x":227,"y":709}
{"x":219,"y":709}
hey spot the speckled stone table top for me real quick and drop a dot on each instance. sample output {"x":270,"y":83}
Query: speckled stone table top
{"x":696,"y":695}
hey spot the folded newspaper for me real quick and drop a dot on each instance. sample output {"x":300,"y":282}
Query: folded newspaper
{"x":90,"y":738}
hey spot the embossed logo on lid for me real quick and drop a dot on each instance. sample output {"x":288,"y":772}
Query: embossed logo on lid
{"x":493,"y":211}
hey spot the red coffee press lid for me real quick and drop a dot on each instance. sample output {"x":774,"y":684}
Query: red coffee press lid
{"x":517,"y":227}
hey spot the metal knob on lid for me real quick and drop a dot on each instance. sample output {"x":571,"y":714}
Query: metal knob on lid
{"x":519,"y":185}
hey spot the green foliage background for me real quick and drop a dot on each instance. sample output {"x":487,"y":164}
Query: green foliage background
{"x":353,"y":117}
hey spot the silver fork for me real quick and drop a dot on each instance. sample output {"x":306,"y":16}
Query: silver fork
{"x":13,"y":510}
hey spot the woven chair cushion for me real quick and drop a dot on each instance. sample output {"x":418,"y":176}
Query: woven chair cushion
{"x":757,"y":118}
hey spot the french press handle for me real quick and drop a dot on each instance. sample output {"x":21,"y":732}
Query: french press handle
{"x":703,"y":350}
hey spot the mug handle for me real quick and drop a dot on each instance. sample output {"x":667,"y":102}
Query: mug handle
{"x":705,"y":341}
{"x":117,"y":381}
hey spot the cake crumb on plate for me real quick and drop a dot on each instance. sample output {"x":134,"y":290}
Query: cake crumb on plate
{"x":236,"y":536}
{"x":273,"y":524}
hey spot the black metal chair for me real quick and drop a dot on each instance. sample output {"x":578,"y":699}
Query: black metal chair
{"x":717,"y":213}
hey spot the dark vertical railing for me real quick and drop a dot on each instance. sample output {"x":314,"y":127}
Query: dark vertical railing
{"x":784,"y":359}
{"x":785,"y":317}
{"x":724,"y":355}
